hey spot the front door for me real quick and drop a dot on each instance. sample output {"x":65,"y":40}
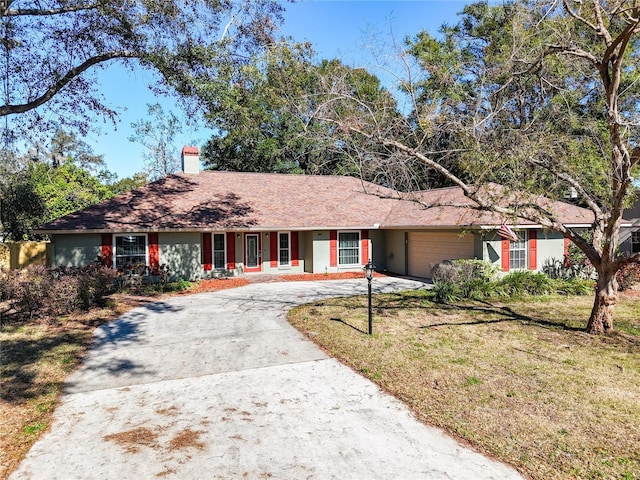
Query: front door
{"x":252,"y":253}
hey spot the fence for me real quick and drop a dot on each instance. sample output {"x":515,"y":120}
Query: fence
{"x":22,"y":254}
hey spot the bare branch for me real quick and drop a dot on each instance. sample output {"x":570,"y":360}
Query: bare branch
{"x":580,"y":18}
{"x":573,"y":51}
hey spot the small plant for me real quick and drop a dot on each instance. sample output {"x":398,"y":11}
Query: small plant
{"x":445,"y":292}
{"x":470,"y":381}
{"x":179,"y":286}
{"x":574,"y":286}
{"x":526,"y":283}
{"x":35,"y":428}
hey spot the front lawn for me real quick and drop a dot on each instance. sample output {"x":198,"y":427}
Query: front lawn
{"x":519,"y":380}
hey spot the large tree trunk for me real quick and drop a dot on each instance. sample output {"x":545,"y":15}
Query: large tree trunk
{"x":601,"y":320}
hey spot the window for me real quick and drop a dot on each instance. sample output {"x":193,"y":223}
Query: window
{"x":348,"y":248}
{"x":284,"y":253}
{"x":635,"y":241}
{"x":518,"y":252}
{"x":219,"y":260}
{"x":130,"y":250}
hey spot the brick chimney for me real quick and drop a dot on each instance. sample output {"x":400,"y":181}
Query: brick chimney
{"x":190,"y":160}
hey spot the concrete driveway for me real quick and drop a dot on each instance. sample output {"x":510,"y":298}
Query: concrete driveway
{"x":220,"y":386}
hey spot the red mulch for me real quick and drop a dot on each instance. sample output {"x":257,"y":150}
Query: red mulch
{"x":232,"y":282}
{"x":218,"y":284}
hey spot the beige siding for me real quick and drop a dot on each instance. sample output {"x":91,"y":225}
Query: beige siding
{"x":429,"y":248}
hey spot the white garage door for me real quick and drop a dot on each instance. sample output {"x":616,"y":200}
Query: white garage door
{"x":428,"y":248}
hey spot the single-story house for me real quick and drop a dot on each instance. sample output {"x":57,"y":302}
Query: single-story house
{"x":210,"y":223}
{"x":630,"y":233}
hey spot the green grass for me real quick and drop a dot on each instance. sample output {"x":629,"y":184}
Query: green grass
{"x":518,"y":379}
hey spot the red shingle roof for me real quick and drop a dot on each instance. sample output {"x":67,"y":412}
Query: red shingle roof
{"x":233,"y":200}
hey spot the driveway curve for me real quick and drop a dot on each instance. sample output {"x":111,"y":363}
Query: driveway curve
{"x":219,"y":386}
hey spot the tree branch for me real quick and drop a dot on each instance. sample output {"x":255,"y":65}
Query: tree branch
{"x":63,"y":82}
{"x":6,"y":11}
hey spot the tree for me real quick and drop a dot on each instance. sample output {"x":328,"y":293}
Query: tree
{"x":264,"y":114}
{"x":51,"y":48}
{"x":21,"y":209}
{"x":53,"y":181}
{"x":541,"y":97}
{"x":158,"y":136}
{"x":127,"y":184}
{"x":66,"y":188}
{"x":65,"y":146}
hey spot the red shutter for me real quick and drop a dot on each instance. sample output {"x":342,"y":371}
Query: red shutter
{"x":567,"y":261}
{"x":231,"y":251}
{"x":207,"y":254}
{"x":107,"y":250}
{"x":154,"y":254}
{"x":333,"y":248}
{"x":295,"y":261}
{"x":505,"y":255}
{"x":533,"y":249}
{"x":273,"y":249}
{"x":364,"y":242}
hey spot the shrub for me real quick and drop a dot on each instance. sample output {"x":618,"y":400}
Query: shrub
{"x":95,"y":282}
{"x":526,"y":283}
{"x":555,"y":268}
{"x":574,"y":286}
{"x":479,"y":289}
{"x":51,"y":292}
{"x":628,"y":276}
{"x":4,"y":284}
{"x":444,"y":272}
{"x":62,"y":298}
{"x":463,"y":270}
{"x":445,"y":292}
{"x":33,"y":287}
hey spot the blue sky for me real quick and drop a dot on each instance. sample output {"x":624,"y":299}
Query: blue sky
{"x":336,"y":28}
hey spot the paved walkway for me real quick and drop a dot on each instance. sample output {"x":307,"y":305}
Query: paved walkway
{"x":219,"y":386}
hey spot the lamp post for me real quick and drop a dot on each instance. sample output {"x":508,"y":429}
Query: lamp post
{"x":368,"y":269}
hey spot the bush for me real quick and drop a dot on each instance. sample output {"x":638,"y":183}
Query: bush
{"x":555,"y":268}
{"x":51,"y":292}
{"x":95,"y":282}
{"x":5,"y":289}
{"x":445,"y":292}
{"x":628,"y":276}
{"x":463,"y":271}
{"x":573,"y":286}
{"x":526,"y":283}
{"x":32,"y":289}
{"x":480,"y":289}
{"x":62,"y":298}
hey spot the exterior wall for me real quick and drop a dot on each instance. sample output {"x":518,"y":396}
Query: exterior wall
{"x":75,"y":250}
{"x":377,"y":250}
{"x":550,"y":245}
{"x":395,"y":251}
{"x":279,"y":270}
{"x":633,"y":215}
{"x":182,"y":253}
{"x":491,"y":248}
